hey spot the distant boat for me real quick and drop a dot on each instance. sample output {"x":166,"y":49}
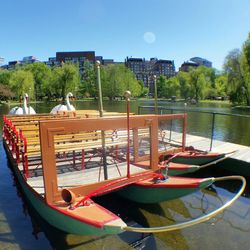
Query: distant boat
{"x":23,"y":110}
{"x":64,"y":107}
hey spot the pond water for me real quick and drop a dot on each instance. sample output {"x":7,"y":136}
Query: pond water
{"x":22,"y":228}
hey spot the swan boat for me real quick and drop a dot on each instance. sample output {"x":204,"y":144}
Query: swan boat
{"x":64,"y":107}
{"x":64,"y":194}
{"x":22,"y":110}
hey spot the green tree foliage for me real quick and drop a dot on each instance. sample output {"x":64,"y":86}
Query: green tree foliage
{"x":42,"y":78}
{"x":144,"y":90}
{"x":197,"y":82}
{"x":5,"y":92}
{"x":65,"y":78}
{"x":171,"y":87}
{"x":184,"y":83}
{"x":88,"y":85}
{"x":116,"y":79}
{"x":21,"y":82}
{"x":245,"y":66}
{"x":161,"y":82}
{"x":221,"y":86}
{"x":235,"y":79}
{"x":5,"y":77}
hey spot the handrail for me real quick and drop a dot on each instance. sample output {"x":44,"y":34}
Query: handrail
{"x":194,"y":111}
{"x":198,"y":220}
{"x":161,"y":108}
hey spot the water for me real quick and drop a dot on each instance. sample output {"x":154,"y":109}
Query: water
{"x":22,"y":228}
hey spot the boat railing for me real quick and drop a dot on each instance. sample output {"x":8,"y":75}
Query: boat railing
{"x":213,"y":124}
{"x":144,"y":136}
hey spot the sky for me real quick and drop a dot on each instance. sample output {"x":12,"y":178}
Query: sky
{"x":167,"y":29}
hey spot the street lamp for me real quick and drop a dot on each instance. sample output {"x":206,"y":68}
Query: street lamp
{"x":155,"y":94}
{"x":105,"y":170}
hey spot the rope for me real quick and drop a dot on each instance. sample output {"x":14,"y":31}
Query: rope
{"x":197,"y":220}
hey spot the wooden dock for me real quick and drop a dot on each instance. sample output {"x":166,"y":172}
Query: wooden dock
{"x":242,"y":152}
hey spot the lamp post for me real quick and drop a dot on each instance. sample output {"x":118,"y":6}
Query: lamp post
{"x":127,"y":95}
{"x":101,"y":115}
{"x":155,"y":94}
{"x":99,"y":88}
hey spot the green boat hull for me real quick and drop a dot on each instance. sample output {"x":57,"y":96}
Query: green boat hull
{"x":201,"y":160}
{"x":142,"y":194}
{"x":176,"y":172}
{"x":53,"y":216}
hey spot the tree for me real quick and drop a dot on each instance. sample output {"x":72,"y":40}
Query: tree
{"x":197,"y":82}
{"x":116,"y":79}
{"x":88,"y":85}
{"x":42,"y":78}
{"x":5,"y":77}
{"x":221,"y":85}
{"x":5,"y":93}
{"x":161,"y":82}
{"x":21,"y":82}
{"x":144,"y":90}
{"x":245,"y":66}
{"x":171,"y":87}
{"x":235,"y":79}
{"x":65,"y":78}
{"x":184,"y":83}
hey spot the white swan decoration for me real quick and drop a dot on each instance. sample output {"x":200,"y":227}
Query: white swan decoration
{"x":63,"y":107}
{"x":25,"y":110}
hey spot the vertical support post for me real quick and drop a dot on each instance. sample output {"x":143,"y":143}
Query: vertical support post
{"x":136,"y":144}
{"x":127,"y":96}
{"x":184,"y":131}
{"x":171,"y":125}
{"x":101,"y":115}
{"x":83,"y":157}
{"x":212,"y":133}
{"x":156,"y":98}
{"x":139,"y":110}
{"x":74,"y":158}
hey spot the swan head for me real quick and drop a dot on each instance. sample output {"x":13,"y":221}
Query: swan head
{"x":26,"y":97}
{"x":69,"y":95}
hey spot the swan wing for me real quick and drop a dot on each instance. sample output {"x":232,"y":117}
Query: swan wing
{"x":13,"y":110}
{"x":31,"y":111}
{"x":19,"y":111}
{"x":57,"y":108}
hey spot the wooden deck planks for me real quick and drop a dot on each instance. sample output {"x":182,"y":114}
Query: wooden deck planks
{"x":202,"y":143}
{"x":76,"y":178}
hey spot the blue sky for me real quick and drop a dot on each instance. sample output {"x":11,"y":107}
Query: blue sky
{"x":166,"y":29}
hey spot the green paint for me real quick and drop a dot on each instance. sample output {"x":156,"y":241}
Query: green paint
{"x":142,"y":194}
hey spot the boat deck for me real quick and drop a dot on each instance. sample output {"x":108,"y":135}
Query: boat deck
{"x":68,"y":176}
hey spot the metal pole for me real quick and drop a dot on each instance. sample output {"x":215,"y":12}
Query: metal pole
{"x":127,"y":95}
{"x":156,"y":103}
{"x":171,"y":125}
{"x":212,"y":133}
{"x":105,"y":170}
{"x":99,"y":88}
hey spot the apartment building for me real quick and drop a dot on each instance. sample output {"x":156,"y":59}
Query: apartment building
{"x":144,"y":70}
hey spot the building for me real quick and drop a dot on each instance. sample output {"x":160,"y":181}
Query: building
{"x":195,"y":62}
{"x":76,"y":57}
{"x":187,"y":65}
{"x":1,"y":60}
{"x":26,"y":60}
{"x":145,"y":70}
{"x":29,"y":59}
{"x":201,"y":61}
